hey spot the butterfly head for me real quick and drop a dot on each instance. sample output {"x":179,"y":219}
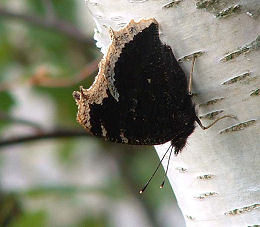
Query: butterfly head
{"x":78,"y":95}
{"x":82,"y":103}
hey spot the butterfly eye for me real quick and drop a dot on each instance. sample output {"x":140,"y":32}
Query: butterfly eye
{"x":76,"y":96}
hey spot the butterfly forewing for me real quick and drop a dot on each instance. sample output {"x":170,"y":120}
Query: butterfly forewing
{"x":153,"y":105}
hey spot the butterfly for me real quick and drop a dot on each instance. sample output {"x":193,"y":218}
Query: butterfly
{"x":140,"y":95}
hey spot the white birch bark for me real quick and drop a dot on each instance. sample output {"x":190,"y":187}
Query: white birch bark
{"x":216,"y":178}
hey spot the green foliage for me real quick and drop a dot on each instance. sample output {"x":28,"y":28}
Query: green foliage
{"x":66,"y":10}
{"x":10,"y":209}
{"x":5,"y":49}
{"x":36,"y":6}
{"x":94,"y":221}
{"x":7,"y":101}
{"x":66,"y":150}
{"x":34,"y":219}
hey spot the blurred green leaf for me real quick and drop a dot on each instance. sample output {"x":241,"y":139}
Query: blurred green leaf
{"x":10,"y":209}
{"x":59,"y":190}
{"x":66,"y":150}
{"x":95,"y":221}
{"x":50,"y":48}
{"x":66,"y":10}
{"x":6,"y":101}
{"x":5,"y":50}
{"x":36,"y":6}
{"x":34,"y":219}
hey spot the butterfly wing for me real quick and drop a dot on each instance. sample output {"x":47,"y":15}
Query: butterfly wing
{"x":145,"y":99}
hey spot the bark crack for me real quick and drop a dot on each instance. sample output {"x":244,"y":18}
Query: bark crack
{"x":238,"y":127}
{"x":243,"y":210}
{"x":253,"y":46}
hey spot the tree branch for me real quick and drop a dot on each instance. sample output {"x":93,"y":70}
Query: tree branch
{"x":61,"y":26}
{"x":42,"y":77}
{"x":7,"y":118}
{"x":59,"y":133}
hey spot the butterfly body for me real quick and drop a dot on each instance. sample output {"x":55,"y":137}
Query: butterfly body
{"x":140,"y":95}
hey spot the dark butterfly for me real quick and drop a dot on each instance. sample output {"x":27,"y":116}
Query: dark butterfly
{"x":140,"y":95}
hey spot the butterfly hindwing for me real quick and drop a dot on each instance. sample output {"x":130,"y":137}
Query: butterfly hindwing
{"x":146,"y":99}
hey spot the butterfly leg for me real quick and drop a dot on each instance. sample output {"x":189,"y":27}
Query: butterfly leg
{"x":214,"y":122}
{"x":190,"y":93}
{"x":191,"y":75}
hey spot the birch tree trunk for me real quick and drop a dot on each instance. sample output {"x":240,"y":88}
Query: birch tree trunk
{"x":216,"y":178}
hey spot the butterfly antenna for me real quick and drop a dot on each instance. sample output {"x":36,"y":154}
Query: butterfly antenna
{"x":143,"y":189}
{"x":214,"y":122}
{"x":162,"y":185}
